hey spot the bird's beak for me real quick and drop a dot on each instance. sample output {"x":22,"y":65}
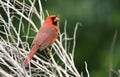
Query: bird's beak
{"x":56,"y":19}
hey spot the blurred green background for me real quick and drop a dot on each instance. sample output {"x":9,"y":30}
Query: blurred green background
{"x":100,"y":19}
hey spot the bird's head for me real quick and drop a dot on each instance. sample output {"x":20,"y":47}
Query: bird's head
{"x":52,"y":19}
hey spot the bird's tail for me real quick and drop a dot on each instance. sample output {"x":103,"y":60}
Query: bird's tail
{"x":31,"y":54}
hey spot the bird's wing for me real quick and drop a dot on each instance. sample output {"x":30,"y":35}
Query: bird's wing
{"x":45,"y":37}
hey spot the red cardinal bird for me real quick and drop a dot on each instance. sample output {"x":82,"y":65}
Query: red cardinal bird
{"x":46,"y":35}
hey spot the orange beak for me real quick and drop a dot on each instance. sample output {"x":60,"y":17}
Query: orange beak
{"x":56,"y":19}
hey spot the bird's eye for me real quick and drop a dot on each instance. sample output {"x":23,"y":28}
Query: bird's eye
{"x":54,"y":22}
{"x":53,"y":18}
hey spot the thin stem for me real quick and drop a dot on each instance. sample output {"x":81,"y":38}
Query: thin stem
{"x":86,"y":68}
{"x":73,"y":66}
{"x":111,"y":52}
